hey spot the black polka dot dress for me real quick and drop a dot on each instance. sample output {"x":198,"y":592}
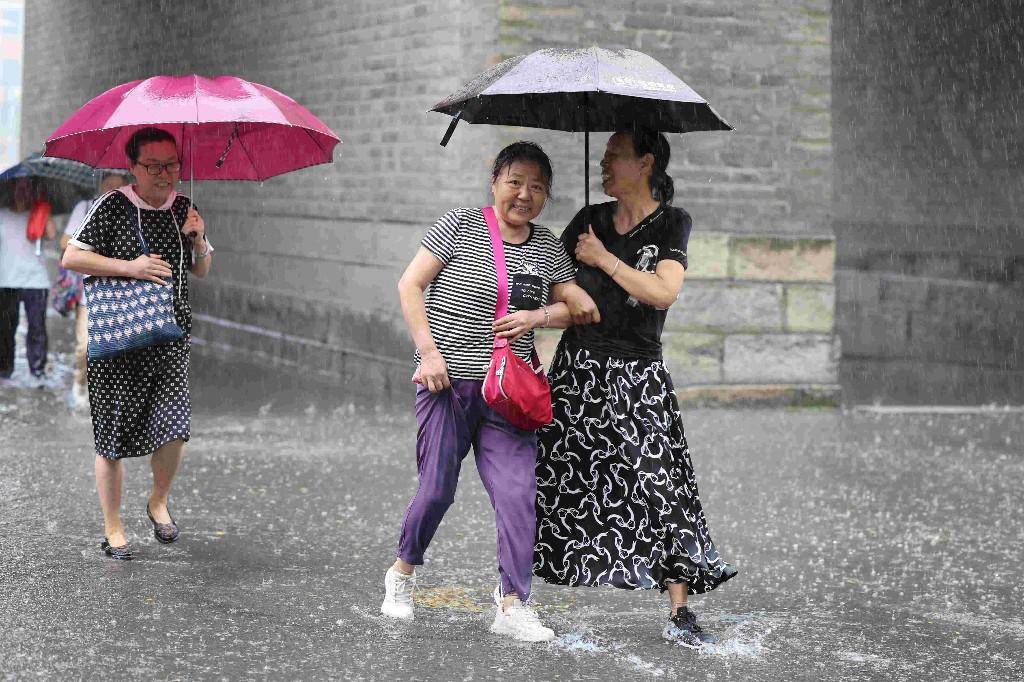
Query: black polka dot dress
{"x":140,"y":400}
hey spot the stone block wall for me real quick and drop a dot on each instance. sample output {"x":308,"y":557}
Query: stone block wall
{"x":307,"y":263}
{"x":755,"y":321}
{"x":929,"y":193}
{"x":764,"y":67}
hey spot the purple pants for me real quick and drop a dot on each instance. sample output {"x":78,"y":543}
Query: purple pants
{"x":506,"y":457}
{"x":35,"y":339}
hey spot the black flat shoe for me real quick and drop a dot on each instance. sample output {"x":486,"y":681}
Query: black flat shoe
{"x":122,"y":553}
{"x":165,"y":533}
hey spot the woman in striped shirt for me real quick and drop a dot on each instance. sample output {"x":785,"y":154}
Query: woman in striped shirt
{"x":448,"y":295}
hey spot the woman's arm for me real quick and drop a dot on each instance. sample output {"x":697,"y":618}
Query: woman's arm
{"x":433,"y":370}
{"x":202,"y":257}
{"x":201,"y":260}
{"x":557,"y":315}
{"x":514,"y":325}
{"x":659,"y":288}
{"x":581,"y":307}
{"x":151,"y":268}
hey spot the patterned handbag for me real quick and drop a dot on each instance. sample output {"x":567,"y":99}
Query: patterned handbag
{"x":514,"y":389}
{"x":127,"y":314}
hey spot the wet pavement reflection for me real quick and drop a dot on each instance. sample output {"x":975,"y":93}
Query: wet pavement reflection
{"x":870,"y":546}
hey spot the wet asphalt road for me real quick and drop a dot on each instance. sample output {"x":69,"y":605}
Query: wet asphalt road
{"x":869,"y":547}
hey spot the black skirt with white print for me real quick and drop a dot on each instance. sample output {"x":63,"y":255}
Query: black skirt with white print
{"x":617,"y":500}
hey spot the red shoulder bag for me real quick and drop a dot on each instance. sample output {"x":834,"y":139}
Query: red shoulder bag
{"x":37,"y":217}
{"x":516,"y":390}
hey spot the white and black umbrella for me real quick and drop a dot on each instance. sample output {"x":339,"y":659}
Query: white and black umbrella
{"x":590,"y":90}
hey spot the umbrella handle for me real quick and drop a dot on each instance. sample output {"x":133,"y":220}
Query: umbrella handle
{"x":451,"y":129}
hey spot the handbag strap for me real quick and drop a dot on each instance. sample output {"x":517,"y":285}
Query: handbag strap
{"x":501,"y":307}
{"x":498,"y":248}
{"x":138,"y":230}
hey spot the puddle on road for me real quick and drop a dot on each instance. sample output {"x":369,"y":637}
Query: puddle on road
{"x":745,"y":639}
{"x":457,"y":598}
{"x":740,"y":637}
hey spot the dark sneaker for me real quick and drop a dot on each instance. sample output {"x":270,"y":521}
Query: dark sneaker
{"x":682,"y":628}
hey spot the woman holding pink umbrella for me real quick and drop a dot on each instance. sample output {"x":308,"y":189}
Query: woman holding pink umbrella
{"x":225,"y":128}
{"x":139,"y":400}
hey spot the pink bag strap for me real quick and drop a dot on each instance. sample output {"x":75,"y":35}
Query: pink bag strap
{"x":501,"y":308}
{"x":497,"y":246}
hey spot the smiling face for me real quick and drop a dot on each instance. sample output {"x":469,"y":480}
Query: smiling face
{"x":623,"y":173}
{"x":156,"y":186}
{"x":519,"y":190}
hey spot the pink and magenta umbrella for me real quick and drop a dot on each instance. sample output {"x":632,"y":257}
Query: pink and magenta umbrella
{"x":226,"y":128}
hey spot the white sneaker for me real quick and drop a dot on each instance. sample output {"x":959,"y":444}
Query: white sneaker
{"x":519,"y":622}
{"x":398,"y":589}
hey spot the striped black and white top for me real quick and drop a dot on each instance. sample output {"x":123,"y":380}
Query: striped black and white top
{"x":460,"y":301}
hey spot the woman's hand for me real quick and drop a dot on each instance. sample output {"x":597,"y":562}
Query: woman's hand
{"x":150,"y":268}
{"x":582,"y":308}
{"x":590,"y":250}
{"x":516,"y":324}
{"x":194,"y":226}
{"x":432,"y":372}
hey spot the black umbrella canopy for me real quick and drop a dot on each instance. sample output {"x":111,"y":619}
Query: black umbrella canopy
{"x":591,"y":89}
{"x":64,"y":183}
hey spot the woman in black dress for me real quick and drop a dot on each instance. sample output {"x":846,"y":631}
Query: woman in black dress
{"x":617,"y":500}
{"x":140,"y":400}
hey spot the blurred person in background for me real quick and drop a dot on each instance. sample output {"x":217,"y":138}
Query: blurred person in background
{"x":23,"y":277}
{"x":73,"y":290}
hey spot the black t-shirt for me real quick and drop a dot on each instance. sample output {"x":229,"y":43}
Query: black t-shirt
{"x":628,"y":328}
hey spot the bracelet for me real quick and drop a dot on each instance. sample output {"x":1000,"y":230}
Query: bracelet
{"x":614,"y":268}
{"x":547,"y":317}
{"x":201,"y":256}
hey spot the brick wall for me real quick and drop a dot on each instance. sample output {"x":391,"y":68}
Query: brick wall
{"x":764,"y":66}
{"x":755,"y":320}
{"x":929,"y":191}
{"x":307,"y":263}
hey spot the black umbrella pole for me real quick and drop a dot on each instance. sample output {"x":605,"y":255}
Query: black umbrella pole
{"x":586,"y":156}
{"x":586,"y":169}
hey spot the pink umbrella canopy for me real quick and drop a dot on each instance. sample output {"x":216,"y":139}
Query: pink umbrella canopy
{"x":226,"y":128}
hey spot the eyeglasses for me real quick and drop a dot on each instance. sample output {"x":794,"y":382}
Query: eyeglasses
{"x":158,"y":168}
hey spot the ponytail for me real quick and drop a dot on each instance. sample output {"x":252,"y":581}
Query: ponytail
{"x":648,"y":141}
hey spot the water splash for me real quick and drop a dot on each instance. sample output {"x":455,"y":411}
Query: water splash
{"x":577,"y":643}
{"x":746,"y":640}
